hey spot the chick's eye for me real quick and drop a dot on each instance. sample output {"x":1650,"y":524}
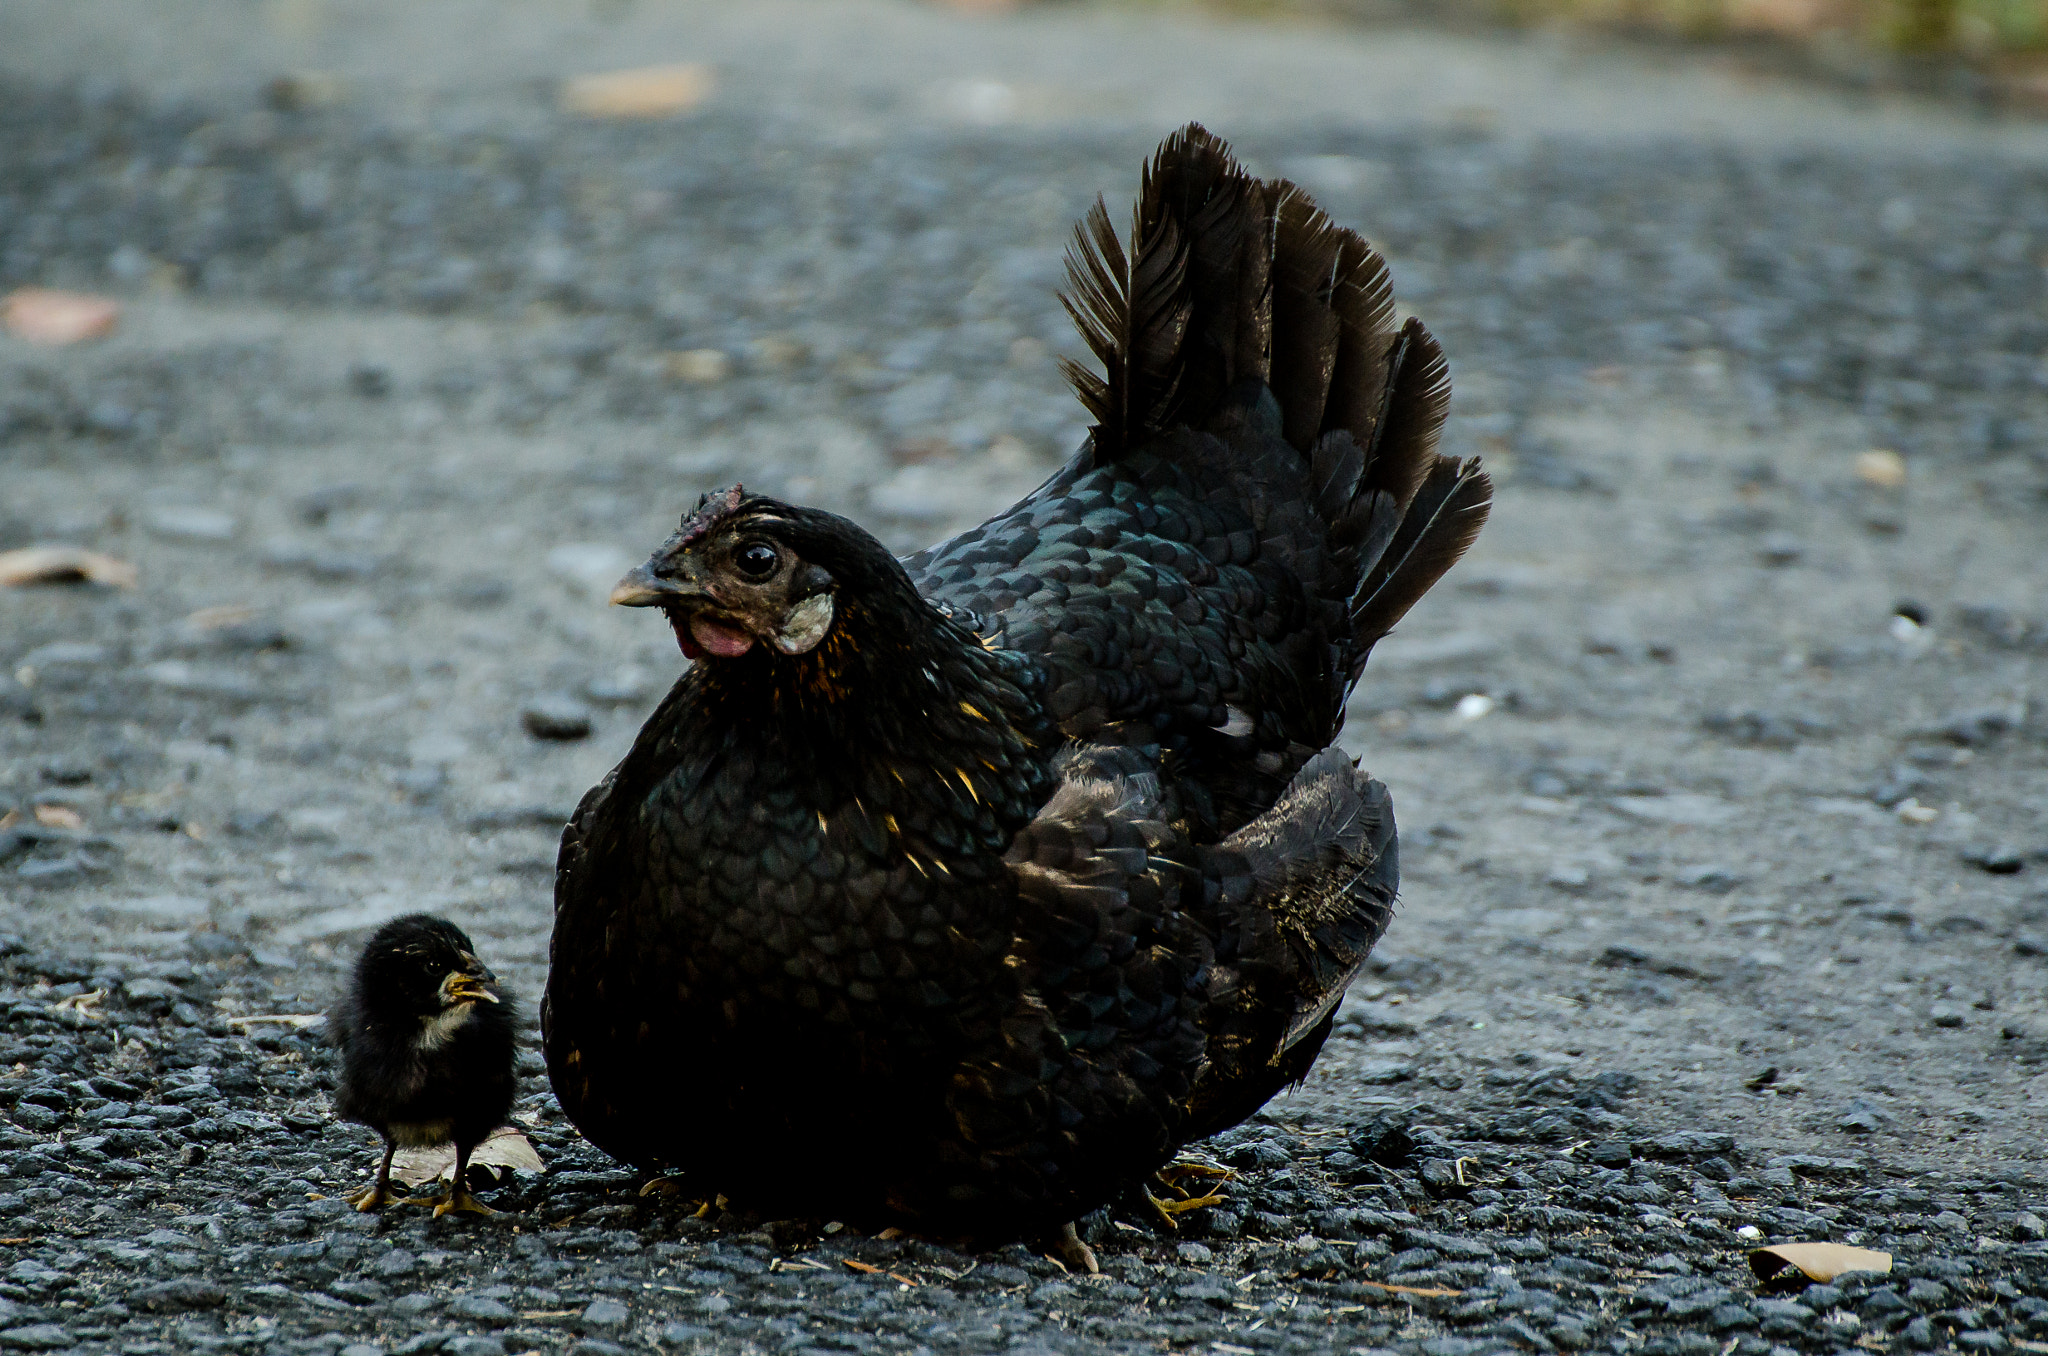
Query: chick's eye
{"x":757,"y":560}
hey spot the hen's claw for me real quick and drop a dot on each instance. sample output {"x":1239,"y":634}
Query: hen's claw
{"x":1200,"y":1169}
{"x":669,"y":1185}
{"x":369,"y":1198}
{"x":1077,"y":1255}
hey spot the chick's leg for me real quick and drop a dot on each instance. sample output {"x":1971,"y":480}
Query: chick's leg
{"x":457,"y":1196}
{"x":370,"y":1197}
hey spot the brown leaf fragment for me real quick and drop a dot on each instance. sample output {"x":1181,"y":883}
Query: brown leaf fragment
{"x":43,"y":315}
{"x":64,"y":565}
{"x":225,"y":614}
{"x":1797,"y":1263}
{"x":503,"y":1148}
{"x":645,"y":92}
{"x":1882,"y":467}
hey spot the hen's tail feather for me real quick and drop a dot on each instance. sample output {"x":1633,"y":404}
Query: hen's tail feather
{"x":1414,"y":397}
{"x":1307,"y":247}
{"x":1227,"y":218}
{"x":1442,"y":521}
{"x":1364,"y":302}
{"x":1133,"y":314}
{"x":1229,"y":280}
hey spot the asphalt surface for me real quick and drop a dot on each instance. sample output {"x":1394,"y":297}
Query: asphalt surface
{"x":1721,"y":763}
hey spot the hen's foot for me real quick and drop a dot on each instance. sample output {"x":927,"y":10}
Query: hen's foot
{"x":665,"y":1187}
{"x":1197,"y":1169}
{"x":1176,"y":1198}
{"x":369,"y":1198}
{"x":1169,"y":1206}
{"x":1077,"y":1255}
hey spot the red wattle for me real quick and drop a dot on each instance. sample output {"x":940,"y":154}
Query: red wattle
{"x":724,"y":641}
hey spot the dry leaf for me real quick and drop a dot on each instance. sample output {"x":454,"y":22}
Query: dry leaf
{"x":702,"y":365}
{"x":43,"y":315}
{"x":503,"y":1148}
{"x":64,"y":565}
{"x":1412,"y":1290}
{"x":214,"y":618}
{"x":59,"y":817}
{"x":1882,"y":467}
{"x":867,"y":1270}
{"x":1815,"y":1261}
{"x":647,"y":92}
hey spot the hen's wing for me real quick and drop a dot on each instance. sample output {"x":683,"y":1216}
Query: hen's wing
{"x":1085,"y":1083}
{"x":1260,"y":498}
{"x":1308,"y":890}
{"x":1165,"y":990}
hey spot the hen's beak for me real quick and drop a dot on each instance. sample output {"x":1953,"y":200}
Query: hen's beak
{"x":464,"y":986}
{"x":644,"y":588}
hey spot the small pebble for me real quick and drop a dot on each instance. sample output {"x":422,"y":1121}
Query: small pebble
{"x":2000,"y":859}
{"x":556,"y":717}
{"x":606,"y":1315}
{"x":1780,"y":550}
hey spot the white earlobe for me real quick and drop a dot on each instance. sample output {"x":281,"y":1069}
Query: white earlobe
{"x":805,"y":625}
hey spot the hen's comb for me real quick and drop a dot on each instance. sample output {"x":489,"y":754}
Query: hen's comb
{"x":712,"y":508}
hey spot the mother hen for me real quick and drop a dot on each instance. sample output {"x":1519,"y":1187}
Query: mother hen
{"x":959,"y":892}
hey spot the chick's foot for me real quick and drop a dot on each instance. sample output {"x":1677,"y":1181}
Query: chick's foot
{"x":454,"y":1198}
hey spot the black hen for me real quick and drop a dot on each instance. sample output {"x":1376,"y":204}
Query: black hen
{"x":960,"y":891}
{"x":426,"y":1040}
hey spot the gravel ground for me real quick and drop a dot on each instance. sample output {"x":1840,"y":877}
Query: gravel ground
{"x":1722,"y":767}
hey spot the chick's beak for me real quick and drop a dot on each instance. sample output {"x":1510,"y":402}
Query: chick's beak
{"x":467,"y":986}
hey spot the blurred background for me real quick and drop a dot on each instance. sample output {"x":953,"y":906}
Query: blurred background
{"x":351,"y":349}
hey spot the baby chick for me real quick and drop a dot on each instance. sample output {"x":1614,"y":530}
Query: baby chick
{"x":425,"y":1034}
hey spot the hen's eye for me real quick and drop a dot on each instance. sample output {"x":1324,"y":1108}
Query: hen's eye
{"x":757,"y":560}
